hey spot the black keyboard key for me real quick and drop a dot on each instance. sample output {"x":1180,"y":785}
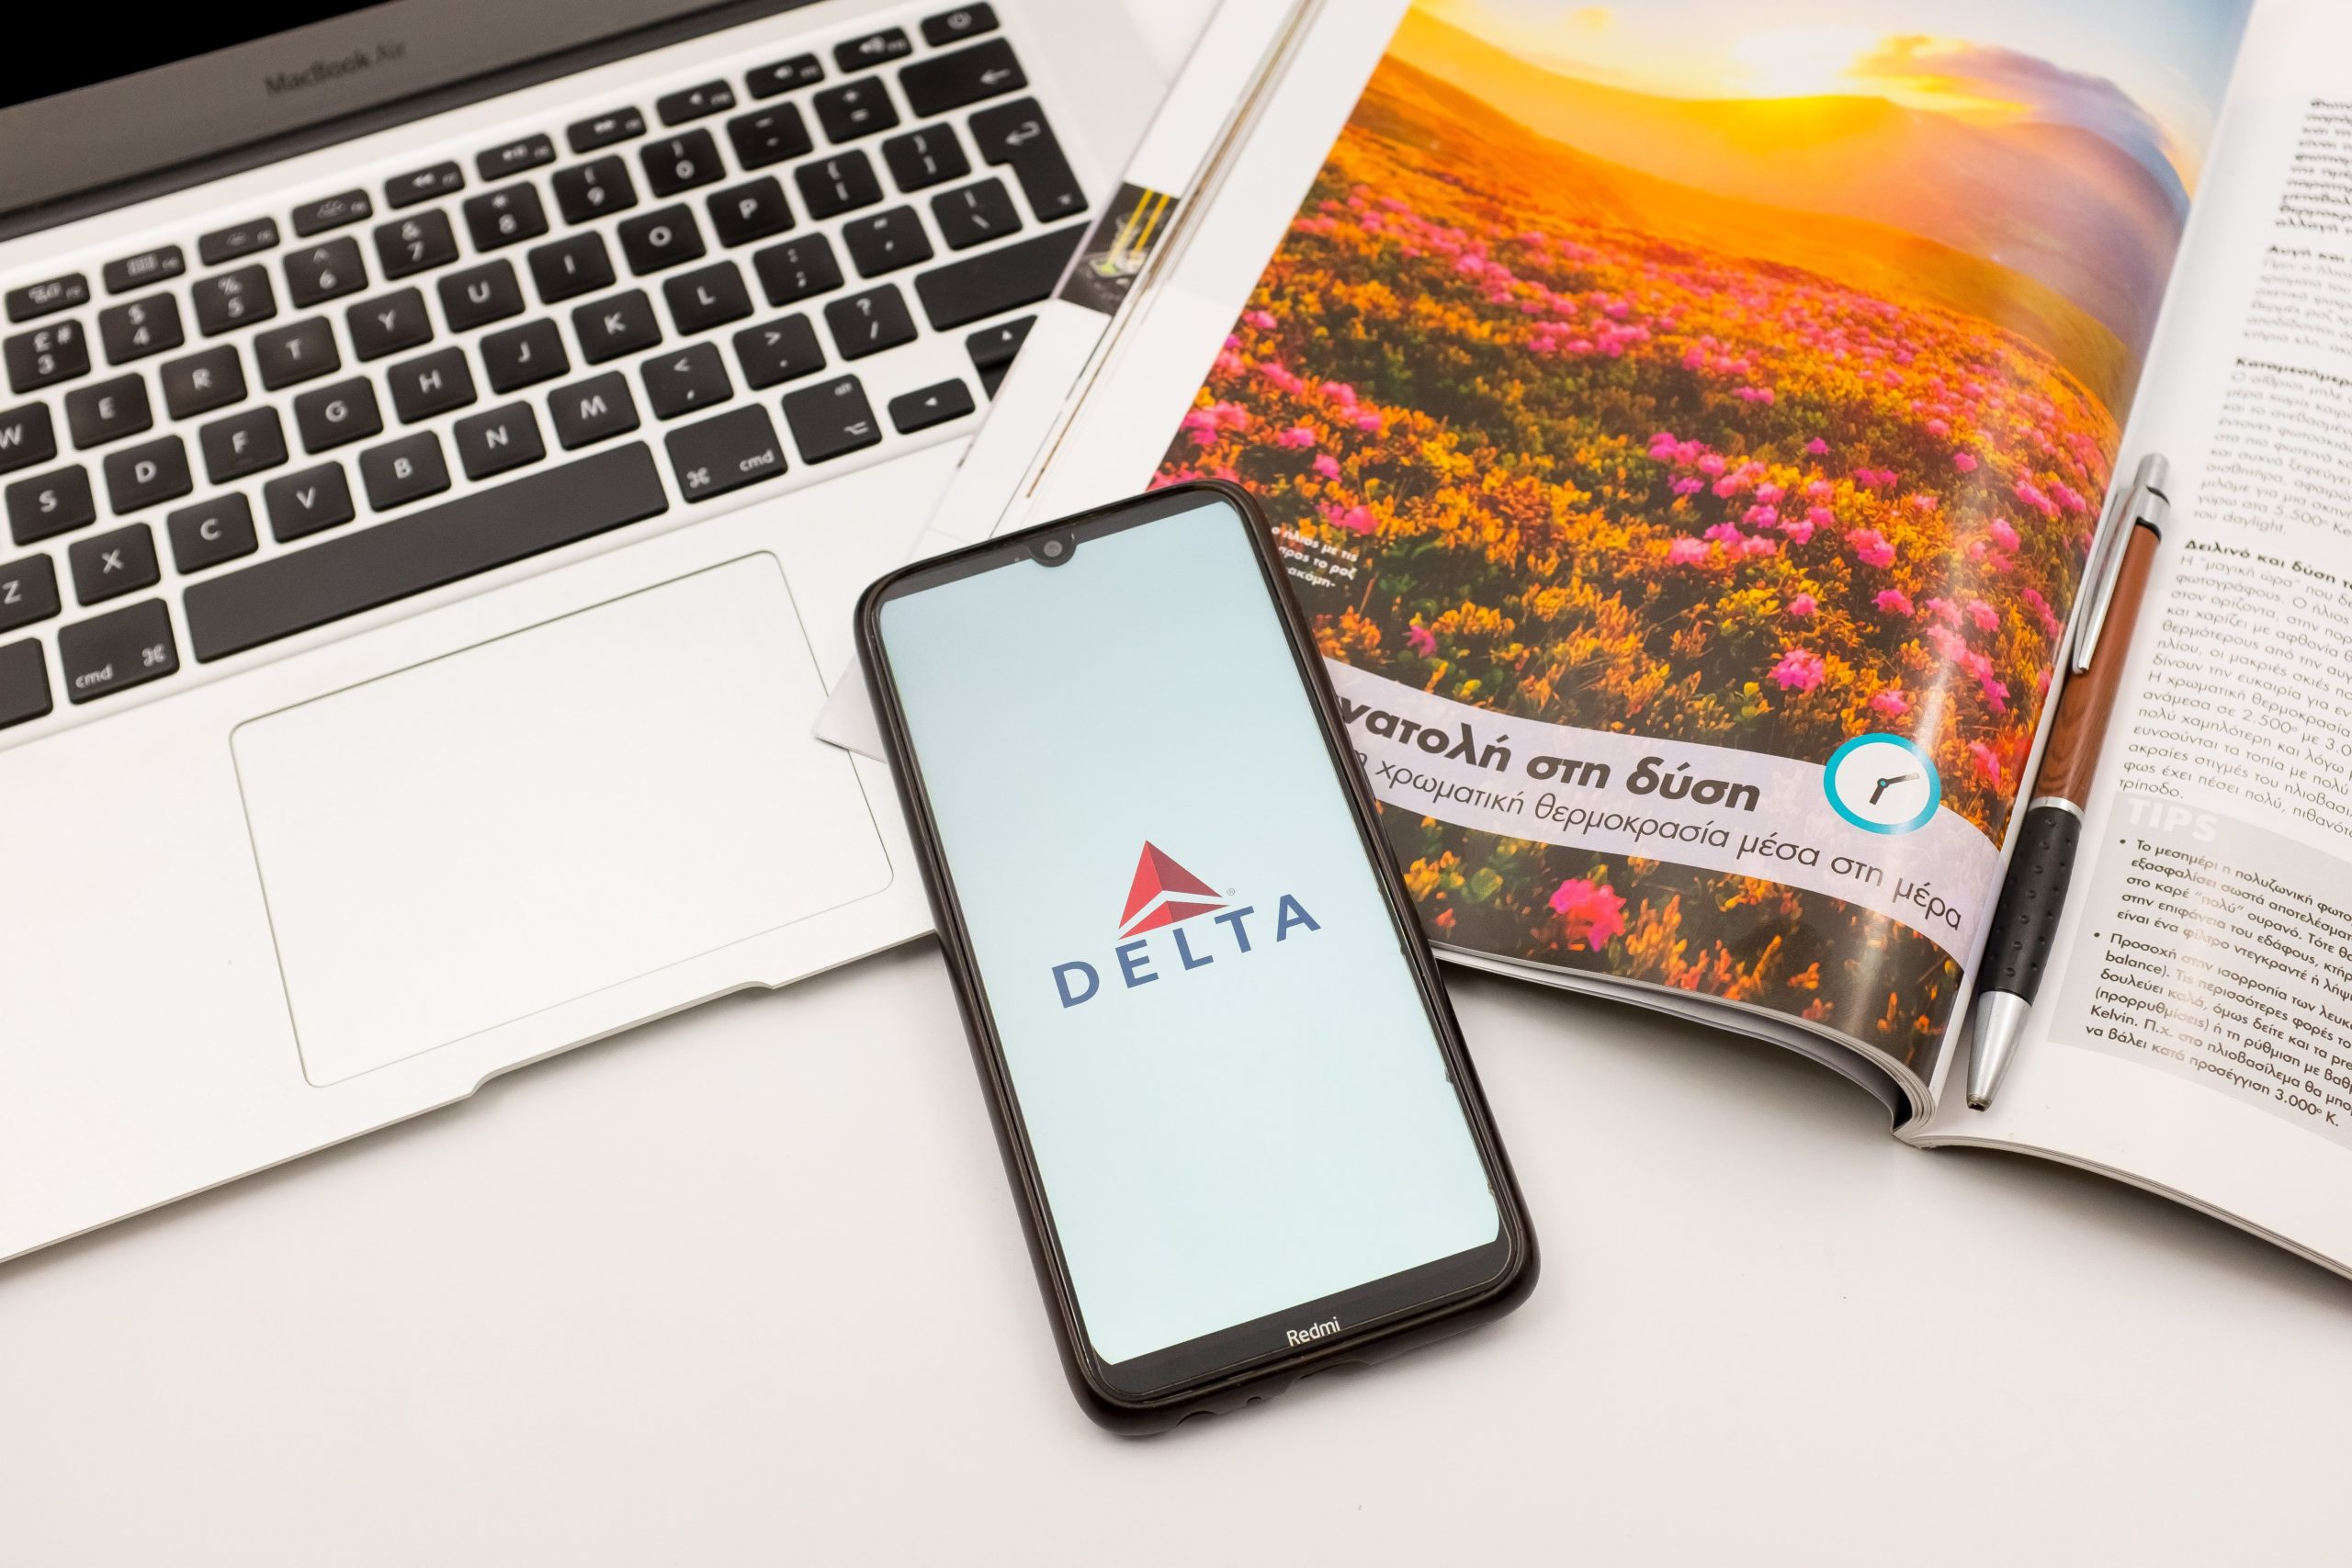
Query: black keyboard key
{"x":319,"y":273}
{"x":927,"y":406}
{"x":726,"y":452}
{"x":854,"y":109}
{"x":108,"y":566}
{"x":430,"y":384}
{"x":685,"y":380}
{"x":27,"y":591}
{"x":480,"y":295}
{"x":798,"y":269}
{"x":47,"y":297}
{"x":27,"y":436}
{"x":801,"y":71}
{"x":403,"y":471}
{"x":513,"y":157}
{"x":407,"y":190}
{"x":211,"y":533}
{"x":139,"y":476}
{"x":706,"y":298}
{"x":24,"y":683}
{"x":227,"y":300}
{"x":148,"y":267}
{"x":885,"y":242}
{"x":573,"y":265}
{"x":753,"y":211}
{"x":783,"y":350}
{"x":49,"y":504}
{"x":693,"y":103}
{"x":954,"y":26}
{"x":107,"y":412}
{"x":117,"y":650}
{"x":208,"y":379}
{"x":497,"y":440}
{"x":46,"y":355}
{"x":993,"y":281}
{"x":140,"y":327}
{"x":335,"y":416}
{"x":666,"y":237}
{"x":605,"y":129}
{"x":308,"y":502}
{"x":992,"y":349}
{"x":524,"y":357}
{"x":246,"y":443}
{"x":947,"y":82}
{"x":680,"y":163}
{"x":595,"y":410}
{"x":974,"y":214}
{"x":1016,"y":133}
{"x":926,"y":157}
{"x":592,"y":190}
{"x":869,"y":322}
{"x":506,"y":215}
{"x":621,"y":324}
{"x":237,"y":240}
{"x":296,"y":353}
{"x":831,"y":420}
{"x":388,"y":324}
{"x":769,"y":136}
{"x":331,"y":212}
{"x":873,"y":49}
{"x":842,"y":183}
{"x":416,"y":243}
{"x":421,"y":550}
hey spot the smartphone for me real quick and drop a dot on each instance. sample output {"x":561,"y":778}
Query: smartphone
{"x":1234,"y":1103}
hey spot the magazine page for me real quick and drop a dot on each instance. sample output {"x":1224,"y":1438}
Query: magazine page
{"x":2195,"y":1030}
{"x":1687,"y":423}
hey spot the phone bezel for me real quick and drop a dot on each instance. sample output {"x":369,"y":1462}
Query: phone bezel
{"x":1498,"y":1274}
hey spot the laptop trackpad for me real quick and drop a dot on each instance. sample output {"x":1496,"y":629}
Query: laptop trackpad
{"x":507,"y":828}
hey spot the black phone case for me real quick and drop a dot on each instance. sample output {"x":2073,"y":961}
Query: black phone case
{"x":1116,"y":1411}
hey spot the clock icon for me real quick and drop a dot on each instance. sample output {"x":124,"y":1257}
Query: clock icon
{"x":1883,"y":784}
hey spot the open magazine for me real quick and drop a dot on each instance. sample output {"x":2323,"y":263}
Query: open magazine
{"x":1689,"y":423}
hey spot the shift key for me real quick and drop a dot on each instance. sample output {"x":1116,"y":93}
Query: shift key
{"x":120,"y":648}
{"x":725,"y":453}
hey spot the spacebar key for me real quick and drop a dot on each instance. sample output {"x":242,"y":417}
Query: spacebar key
{"x":441,"y":545}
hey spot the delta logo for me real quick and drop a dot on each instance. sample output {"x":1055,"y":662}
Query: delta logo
{"x":1164,"y":896}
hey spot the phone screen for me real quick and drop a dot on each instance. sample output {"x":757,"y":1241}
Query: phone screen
{"x":1233,"y":1089}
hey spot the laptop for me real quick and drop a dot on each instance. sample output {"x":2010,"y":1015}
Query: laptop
{"x":442,"y":444}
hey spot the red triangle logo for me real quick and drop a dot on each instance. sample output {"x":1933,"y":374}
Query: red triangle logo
{"x":1158,"y":877}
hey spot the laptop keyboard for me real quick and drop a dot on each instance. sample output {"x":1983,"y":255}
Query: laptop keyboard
{"x":495,"y":355}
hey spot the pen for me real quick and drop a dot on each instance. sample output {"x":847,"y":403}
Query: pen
{"x":2017,"y":951}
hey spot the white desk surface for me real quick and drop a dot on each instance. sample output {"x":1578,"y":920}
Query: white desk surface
{"x":747,"y":1287}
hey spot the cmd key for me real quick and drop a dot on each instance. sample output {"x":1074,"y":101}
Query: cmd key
{"x":725,"y":453}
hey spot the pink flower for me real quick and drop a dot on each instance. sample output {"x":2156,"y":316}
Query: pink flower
{"x":1296,"y":435}
{"x":1988,"y":762}
{"x":1947,"y":644}
{"x":1891,"y":703}
{"x":1369,"y":420}
{"x":1817,"y":446}
{"x":1327,"y":466}
{"x":1592,"y":911}
{"x":2005,"y":535}
{"x":1798,"y":529}
{"x":1354,"y":519}
{"x":1803,"y":605}
{"x":1945,"y":611}
{"x":1420,"y":639}
{"x":1893,"y":602}
{"x":1870,"y":548}
{"x":1689,"y":486}
{"x":1712,"y":465}
{"x":1261,"y":320}
{"x":1800,"y":669}
{"x":1339,"y":390}
{"x":1821,"y":517}
{"x":1983,"y":614}
{"x":2041,"y":608}
{"x":1964,"y":461}
{"x":1686,"y":551}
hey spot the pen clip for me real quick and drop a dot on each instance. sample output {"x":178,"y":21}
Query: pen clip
{"x":2144,"y":502}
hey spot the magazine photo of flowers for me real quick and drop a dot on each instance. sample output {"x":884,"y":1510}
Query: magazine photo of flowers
{"x":1651,"y":372}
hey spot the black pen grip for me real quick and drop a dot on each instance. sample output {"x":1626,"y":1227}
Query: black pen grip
{"x":2026,"y":920}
